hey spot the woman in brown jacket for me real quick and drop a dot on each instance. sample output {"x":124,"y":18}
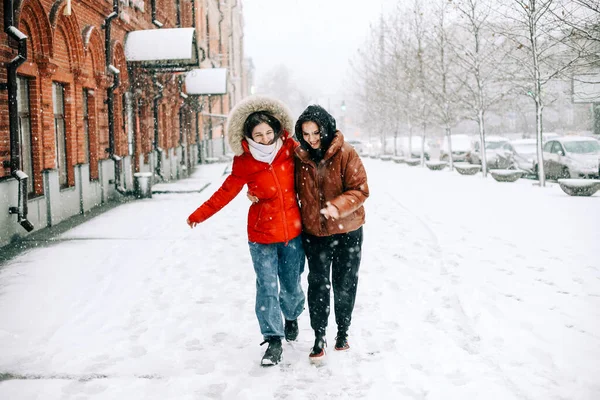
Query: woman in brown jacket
{"x":332,"y":186}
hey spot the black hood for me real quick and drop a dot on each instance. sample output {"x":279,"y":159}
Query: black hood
{"x":326,"y":123}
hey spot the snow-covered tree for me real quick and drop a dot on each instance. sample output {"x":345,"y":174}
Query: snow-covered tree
{"x":481,"y":55}
{"x":543,"y":51}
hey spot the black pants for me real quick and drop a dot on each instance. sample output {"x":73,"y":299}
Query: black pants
{"x":339,"y":254}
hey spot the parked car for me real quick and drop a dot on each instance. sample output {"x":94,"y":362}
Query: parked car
{"x":461,"y":147}
{"x":572,"y":157}
{"x":415,"y":145}
{"x":497,"y":150}
{"x":525,"y":155}
{"x":358,"y":145}
{"x":375,"y":147}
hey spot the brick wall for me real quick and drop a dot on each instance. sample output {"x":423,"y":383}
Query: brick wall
{"x":71,"y":50}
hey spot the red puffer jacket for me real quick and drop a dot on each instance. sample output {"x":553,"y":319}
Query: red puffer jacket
{"x":276,"y":216}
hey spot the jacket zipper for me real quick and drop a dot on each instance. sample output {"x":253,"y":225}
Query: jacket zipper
{"x":279,"y":190}
{"x":321,"y":205}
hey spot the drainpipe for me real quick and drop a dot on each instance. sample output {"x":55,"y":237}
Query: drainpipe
{"x":154,"y":20}
{"x":220,"y":29}
{"x":107,"y":31}
{"x":110,"y":96}
{"x":13,"y":116}
{"x":232,"y":53}
{"x":178,"y":13}
{"x":207,"y":34}
{"x":221,"y":19}
{"x":193,"y":14}
{"x":198,"y":144}
{"x":158,"y":150}
{"x":110,"y":101}
{"x":182,"y":109}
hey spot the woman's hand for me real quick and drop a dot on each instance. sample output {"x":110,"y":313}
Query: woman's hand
{"x":330,"y":211}
{"x":191,"y":224}
{"x":253,"y":199}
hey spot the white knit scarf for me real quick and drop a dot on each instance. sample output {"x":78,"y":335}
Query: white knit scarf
{"x":264,"y":152}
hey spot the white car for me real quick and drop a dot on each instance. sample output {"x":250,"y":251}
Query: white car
{"x":461,"y":147}
{"x":525,"y":154}
{"x":497,"y":150}
{"x":572,"y":157}
{"x":358,"y":145}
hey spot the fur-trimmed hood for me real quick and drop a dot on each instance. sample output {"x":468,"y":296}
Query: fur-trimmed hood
{"x":239,"y":114}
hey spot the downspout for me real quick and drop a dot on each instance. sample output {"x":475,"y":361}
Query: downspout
{"x":158,"y":150}
{"x":221,"y":19}
{"x":210,"y":153}
{"x":178,"y":13}
{"x":110,"y":101}
{"x":232,"y":53}
{"x":110,"y":96}
{"x":182,"y":109}
{"x":134,"y":122}
{"x":13,"y":116}
{"x":193,"y":14}
{"x":154,"y":20}
{"x":197,"y":110}
{"x":207,"y":35}
{"x":220,"y":32}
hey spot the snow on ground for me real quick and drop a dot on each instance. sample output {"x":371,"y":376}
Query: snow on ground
{"x":469,"y":289}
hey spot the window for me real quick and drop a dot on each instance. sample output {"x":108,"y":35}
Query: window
{"x":583,"y":147}
{"x":557,"y":148}
{"x":58,"y":101}
{"x":25,"y":131}
{"x":548,"y":147}
{"x":86,"y":126}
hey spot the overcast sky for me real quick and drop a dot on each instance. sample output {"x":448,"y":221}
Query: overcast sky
{"x":314,"y":38}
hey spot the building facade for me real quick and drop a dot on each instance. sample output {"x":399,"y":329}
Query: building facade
{"x":79,"y":115}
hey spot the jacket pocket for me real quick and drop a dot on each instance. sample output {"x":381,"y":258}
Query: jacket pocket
{"x":259,"y":215}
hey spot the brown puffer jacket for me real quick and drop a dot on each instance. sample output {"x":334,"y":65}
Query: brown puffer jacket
{"x":341,"y":179}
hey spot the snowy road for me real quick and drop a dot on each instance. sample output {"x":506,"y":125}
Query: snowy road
{"x":469,"y":289}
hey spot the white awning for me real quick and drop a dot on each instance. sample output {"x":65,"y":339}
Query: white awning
{"x":172,"y":49}
{"x":207,"y":81}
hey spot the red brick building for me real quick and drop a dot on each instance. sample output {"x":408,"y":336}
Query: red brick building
{"x":88,"y":117}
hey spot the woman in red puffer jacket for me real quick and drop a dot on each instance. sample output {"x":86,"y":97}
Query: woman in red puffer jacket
{"x":259,"y":133}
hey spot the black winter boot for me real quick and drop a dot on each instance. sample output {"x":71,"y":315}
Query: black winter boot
{"x":291,"y":330}
{"x":341,"y":341}
{"x":317,"y":352}
{"x":273,"y":354}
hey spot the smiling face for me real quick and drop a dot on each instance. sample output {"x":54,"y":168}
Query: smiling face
{"x":311,"y":134}
{"x":263,"y":133}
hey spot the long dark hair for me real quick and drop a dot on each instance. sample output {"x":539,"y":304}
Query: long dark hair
{"x":257,"y":118}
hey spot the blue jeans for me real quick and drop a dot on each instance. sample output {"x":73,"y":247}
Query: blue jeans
{"x":278,"y":268}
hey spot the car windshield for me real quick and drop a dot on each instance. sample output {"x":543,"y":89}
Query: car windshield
{"x":493,"y":145}
{"x":582,"y":147}
{"x":525,"y":148}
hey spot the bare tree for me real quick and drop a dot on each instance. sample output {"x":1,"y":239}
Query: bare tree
{"x":479,"y":54}
{"x":402,"y":59}
{"x":444,"y":87}
{"x":420,"y":95}
{"x":543,"y":51}
{"x":375,"y":81}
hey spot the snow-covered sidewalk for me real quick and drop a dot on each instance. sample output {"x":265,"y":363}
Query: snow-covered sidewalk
{"x":469,"y":289}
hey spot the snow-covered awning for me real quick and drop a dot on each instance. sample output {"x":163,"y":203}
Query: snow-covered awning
{"x":167,"y":49}
{"x":207,"y":81}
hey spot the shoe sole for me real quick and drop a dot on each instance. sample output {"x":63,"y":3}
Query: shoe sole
{"x":342,"y":349}
{"x":269,"y":363}
{"x":318,"y":359}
